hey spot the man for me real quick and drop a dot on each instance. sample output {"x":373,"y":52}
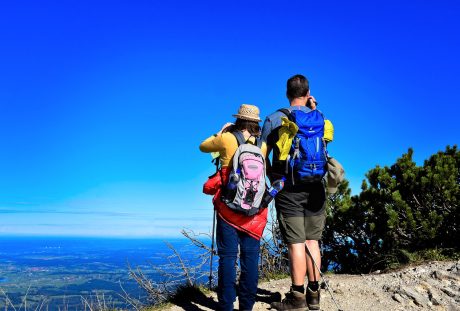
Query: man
{"x":300,"y":207}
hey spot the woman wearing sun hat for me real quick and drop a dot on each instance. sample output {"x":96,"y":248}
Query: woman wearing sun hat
{"x":235,"y":229}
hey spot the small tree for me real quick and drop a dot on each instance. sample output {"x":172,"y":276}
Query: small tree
{"x":402,"y":209}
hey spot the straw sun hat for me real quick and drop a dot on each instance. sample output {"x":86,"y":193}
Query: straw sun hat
{"x":248,"y":112}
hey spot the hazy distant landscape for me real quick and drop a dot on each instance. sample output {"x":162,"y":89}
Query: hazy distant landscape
{"x":62,"y":270}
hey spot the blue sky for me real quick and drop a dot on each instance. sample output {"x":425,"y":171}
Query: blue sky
{"x":103,"y":103}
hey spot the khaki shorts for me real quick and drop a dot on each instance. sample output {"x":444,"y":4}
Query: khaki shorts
{"x":298,"y":229}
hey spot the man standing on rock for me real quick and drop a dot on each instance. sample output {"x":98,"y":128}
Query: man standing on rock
{"x":301,"y":204}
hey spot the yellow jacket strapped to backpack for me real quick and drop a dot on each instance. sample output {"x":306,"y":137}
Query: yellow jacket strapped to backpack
{"x":289,"y":129}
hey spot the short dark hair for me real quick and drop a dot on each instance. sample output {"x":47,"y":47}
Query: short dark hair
{"x":297,"y":86}
{"x":252,"y":127}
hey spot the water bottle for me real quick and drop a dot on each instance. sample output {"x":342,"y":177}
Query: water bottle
{"x":276,"y":187}
{"x":231,"y":188}
{"x":233,"y":179}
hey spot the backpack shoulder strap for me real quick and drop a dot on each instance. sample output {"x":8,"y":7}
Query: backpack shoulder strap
{"x":239,"y":137}
{"x":286,"y":111}
{"x":258,"y":142}
{"x":241,"y":140}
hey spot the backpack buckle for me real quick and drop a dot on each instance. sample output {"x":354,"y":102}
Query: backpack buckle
{"x":297,"y":143}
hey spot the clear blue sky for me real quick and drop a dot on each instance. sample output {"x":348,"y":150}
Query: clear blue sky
{"x":103,"y":103}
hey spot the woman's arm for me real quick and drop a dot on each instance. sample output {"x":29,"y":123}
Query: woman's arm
{"x":214,"y":143}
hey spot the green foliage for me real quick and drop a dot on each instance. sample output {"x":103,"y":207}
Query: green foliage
{"x":403,"y":256}
{"x":274,"y":276}
{"x":157,"y":307}
{"x":403,"y":213}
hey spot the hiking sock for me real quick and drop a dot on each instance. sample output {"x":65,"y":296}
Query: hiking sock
{"x":298,"y":288}
{"x":314,"y":286}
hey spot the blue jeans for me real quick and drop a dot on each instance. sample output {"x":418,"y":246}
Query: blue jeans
{"x":228,"y":239}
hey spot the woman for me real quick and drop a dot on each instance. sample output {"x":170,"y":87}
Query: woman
{"x":233,"y":228}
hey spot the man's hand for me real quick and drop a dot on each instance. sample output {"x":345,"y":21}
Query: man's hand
{"x":311,"y":102}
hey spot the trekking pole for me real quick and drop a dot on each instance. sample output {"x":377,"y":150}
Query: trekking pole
{"x":216,"y":162}
{"x":322,"y":276}
{"x":212,"y":248}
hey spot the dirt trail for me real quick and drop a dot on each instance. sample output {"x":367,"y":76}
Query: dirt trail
{"x":431,"y":286}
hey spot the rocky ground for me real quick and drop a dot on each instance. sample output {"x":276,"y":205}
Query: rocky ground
{"x":431,"y":286}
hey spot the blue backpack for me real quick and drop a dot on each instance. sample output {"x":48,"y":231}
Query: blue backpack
{"x":306,"y":162}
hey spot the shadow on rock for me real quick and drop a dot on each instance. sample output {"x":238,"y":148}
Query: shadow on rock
{"x":267,"y":296}
{"x":191,"y":298}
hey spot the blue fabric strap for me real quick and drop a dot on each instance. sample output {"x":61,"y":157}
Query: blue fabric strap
{"x":239,"y":137}
{"x":241,"y":140}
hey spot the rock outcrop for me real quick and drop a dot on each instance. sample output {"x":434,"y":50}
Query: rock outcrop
{"x":431,"y":286}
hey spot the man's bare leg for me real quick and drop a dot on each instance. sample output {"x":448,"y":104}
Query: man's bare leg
{"x":313,"y":296}
{"x":312,"y":272}
{"x":297,"y":263}
{"x":295,"y":299}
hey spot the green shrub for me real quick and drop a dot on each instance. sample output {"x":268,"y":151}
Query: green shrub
{"x":405,"y":213}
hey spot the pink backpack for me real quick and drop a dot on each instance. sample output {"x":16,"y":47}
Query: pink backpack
{"x":246,"y":184}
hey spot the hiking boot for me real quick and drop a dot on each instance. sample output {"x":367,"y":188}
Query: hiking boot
{"x":293,"y":301}
{"x":312,"y":299}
